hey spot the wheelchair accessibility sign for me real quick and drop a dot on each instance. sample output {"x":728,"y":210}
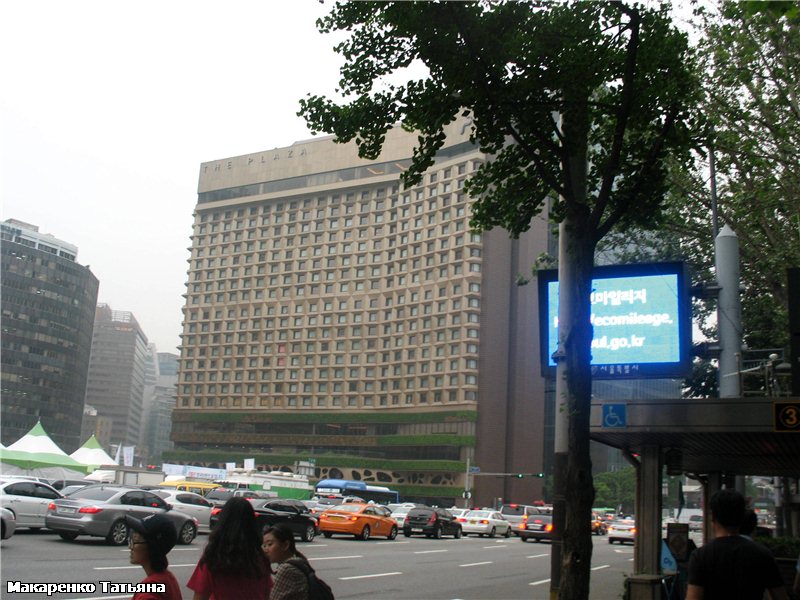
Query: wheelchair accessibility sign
{"x":614,"y":415}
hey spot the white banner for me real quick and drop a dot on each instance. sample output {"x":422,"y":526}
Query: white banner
{"x":249,"y":463}
{"x":127,"y":455}
{"x":193,"y":472}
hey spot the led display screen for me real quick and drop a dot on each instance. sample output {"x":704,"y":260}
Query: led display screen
{"x":641,"y":317}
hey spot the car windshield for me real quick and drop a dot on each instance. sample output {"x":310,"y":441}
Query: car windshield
{"x":219,"y":494}
{"x":401,"y":511}
{"x":94,"y":493}
{"x":513,"y":510}
{"x":481,"y":514}
{"x":330,"y":501}
{"x":348,"y":507}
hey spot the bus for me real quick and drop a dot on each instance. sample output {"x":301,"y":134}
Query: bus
{"x":183,"y":485}
{"x":346,"y":487}
{"x":282,"y":484}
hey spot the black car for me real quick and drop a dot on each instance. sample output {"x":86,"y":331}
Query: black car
{"x":537,"y":528}
{"x":432,"y":522}
{"x":220,"y":496}
{"x":274,"y":512}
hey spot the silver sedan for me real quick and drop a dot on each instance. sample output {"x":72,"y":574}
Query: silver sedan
{"x":190,"y":503}
{"x":27,"y":499}
{"x":100,"y":510}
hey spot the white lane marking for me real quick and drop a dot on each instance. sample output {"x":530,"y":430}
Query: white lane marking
{"x":393,"y":543}
{"x":542,"y":582}
{"x":537,"y":556}
{"x":338,"y":557}
{"x":139,"y":567}
{"x":488,"y":562}
{"x":429,"y":551}
{"x":490,"y":547}
{"x":600,"y":567}
{"x":370,"y":576}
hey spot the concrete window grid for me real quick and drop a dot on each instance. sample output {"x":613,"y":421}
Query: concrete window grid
{"x":408,"y":325}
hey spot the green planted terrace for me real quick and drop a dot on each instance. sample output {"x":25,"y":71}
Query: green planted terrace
{"x":193,"y":416}
{"x":335,"y":460}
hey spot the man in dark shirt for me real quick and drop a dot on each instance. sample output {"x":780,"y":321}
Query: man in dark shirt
{"x":731,"y":566}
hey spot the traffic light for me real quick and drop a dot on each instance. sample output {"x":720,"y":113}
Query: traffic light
{"x":520,"y":475}
{"x":539,"y":475}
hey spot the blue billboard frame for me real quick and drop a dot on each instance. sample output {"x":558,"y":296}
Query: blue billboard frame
{"x":615,"y":290}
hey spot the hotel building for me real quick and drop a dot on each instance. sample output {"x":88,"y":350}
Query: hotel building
{"x":333,"y":315}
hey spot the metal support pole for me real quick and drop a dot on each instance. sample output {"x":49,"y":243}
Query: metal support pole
{"x":729,"y":312}
{"x":561,"y":443}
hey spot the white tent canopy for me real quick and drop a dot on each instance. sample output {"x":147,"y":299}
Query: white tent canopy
{"x":92,"y":453}
{"x":37,"y":440}
{"x":37,"y":455}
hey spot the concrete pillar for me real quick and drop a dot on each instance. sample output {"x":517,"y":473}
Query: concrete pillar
{"x":647,"y":557}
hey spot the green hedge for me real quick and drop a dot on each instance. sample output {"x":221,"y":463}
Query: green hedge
{"x":433,"y":439}
{"x":325,"y":417}
{"x":343,"y":461}
{"x":781,"y":547}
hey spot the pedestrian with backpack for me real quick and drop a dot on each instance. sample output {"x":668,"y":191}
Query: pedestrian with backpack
{"x":293,"y":578}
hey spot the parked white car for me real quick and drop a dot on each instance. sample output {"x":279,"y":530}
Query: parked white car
{"x":399,"y":514}
{"x":485,"y":522}
{"x":190,"y":503}
{"x":622,"y":530}
{"x":28,"y":500}
{"x":458,"y":512}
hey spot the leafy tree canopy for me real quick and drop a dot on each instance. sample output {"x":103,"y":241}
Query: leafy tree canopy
{"x":514,"y":67}
{"x":616,"y":488}
{"x":752,"y":101}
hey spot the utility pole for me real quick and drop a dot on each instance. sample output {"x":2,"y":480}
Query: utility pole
{"x":561,"y":442}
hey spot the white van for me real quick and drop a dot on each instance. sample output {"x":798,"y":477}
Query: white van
{"x":517,"y":515}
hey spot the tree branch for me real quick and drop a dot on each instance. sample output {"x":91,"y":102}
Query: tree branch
{"x":612,"y":163}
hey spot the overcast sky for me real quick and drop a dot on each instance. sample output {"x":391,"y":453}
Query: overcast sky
{"x":109,"y":107}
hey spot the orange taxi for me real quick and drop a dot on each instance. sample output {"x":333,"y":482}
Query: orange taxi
{"x":361,"y":520}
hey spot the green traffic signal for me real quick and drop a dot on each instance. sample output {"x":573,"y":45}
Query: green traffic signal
{"x":520,"y":475}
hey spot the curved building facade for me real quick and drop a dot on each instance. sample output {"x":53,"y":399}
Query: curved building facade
{"x":48,"y":304}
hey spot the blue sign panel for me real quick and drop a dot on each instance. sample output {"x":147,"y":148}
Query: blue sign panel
{"x":641,"y":320}
{"x":614,"y":415}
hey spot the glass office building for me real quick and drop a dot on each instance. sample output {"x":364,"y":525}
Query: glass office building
{"x":48,"y":302}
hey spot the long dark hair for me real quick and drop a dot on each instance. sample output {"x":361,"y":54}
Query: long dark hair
{"x":283,"y":534}
{"x":234,"y":546}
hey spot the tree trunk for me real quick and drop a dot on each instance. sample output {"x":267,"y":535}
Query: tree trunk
{"x":576,"y":554}
{"x":576,"y":551}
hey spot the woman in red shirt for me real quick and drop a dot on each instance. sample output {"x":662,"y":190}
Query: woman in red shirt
{"x":232,"y":566}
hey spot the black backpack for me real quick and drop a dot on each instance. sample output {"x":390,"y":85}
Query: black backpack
{"x":317,"y":589}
